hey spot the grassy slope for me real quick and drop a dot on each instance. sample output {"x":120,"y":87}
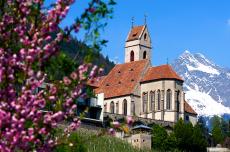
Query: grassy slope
{"x":105,"y":143}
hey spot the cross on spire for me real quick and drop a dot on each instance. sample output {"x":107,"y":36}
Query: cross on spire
{"x":132,"y":21}
{"x":145,"y":19}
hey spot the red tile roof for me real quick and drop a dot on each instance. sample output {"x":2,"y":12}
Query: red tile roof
{"x":122,"y":79}
{"x":188,"y":108}
{"x":161,"y":72}
{"x":135,"y":32}
{"x":96,"y":82}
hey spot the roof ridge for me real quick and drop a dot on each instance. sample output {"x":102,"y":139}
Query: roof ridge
{"x":143,"y":29}
{"x":135,"y":33}
{"x":124,"y":76}
{"x":141,"y":76}
{"x":189,"y":108}
{"x":161,"y":72}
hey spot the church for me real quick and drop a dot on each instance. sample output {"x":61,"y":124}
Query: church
{"x":136,"y":88}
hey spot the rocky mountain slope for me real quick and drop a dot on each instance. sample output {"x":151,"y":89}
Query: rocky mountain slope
{"x":207,"y":85}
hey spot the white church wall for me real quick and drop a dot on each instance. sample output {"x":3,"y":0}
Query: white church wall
{"x":158,"y":115}
{"x":137,"y":101}
{"x":190,"y":118}
{"x":120,"y":101}
{"x":169,"y":114}
{"x":136,"y":51}
{"x":179,"y":86}
{"x":147,"y":41}
{"x":100,"y":102}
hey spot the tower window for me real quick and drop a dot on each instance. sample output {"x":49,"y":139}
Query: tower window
{"x":131,"y":56}
{"x":144,"y":55}
{"x":145,"y":36}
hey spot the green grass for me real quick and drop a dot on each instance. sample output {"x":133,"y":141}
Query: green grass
{"x":105,"y":143}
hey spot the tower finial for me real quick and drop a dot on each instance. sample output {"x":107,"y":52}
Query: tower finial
{"x":132,"y":22}
{"x":145,"y":19}
{"x":167,"y":61}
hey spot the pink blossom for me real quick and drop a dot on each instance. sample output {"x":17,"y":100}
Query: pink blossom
{"x":73,"y":75}
{"x":129,"y":120}
{"x":25,"y":112}
{"x":115,"y":124}
{"x":112,"y":132}
{"x":66,"y":81}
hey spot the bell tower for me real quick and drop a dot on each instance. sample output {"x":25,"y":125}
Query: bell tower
{"x":138,"y":44}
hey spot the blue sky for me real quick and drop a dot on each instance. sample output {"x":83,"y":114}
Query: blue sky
{"x":175,"y":25}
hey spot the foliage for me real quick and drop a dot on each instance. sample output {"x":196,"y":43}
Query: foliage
{"x":171,"y":143}
{"x":217,"y":130}
{"x":73,"y":143}
{"x":80,"y":52}
{"x":59,"y":66}
{"x":190,"y":138}
{"x":30,"y":37}
{"x":183,"y":132}
{"x":159,"y":138}
{"x":184,"y":137}
{"x":199,"y":141}
{"x":163,"y":141}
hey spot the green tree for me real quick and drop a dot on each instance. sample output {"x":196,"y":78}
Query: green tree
{"x":225,"y":127}
{"x":171,"y":142}
{"x":217,"y":132}
{"x":59,"y":66}
{"x":183,"y":133}
{"x":199,"y":142}
{"x":159,"y":138}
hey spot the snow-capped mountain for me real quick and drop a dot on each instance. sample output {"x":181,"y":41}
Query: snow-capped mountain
{"x":207,"y":85}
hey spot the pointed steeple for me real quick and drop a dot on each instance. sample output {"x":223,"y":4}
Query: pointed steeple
{"x":138,"y":44}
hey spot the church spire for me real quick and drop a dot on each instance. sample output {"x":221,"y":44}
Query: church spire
{"x":145,"y":19}
{"x":132,"y":21}
{"x":138,"y":44}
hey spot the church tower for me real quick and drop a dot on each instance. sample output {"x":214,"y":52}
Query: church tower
{"x":138,"y":44}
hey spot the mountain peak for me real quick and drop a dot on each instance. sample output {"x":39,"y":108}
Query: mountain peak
{"x":206,"y":84}
{"x":186,"y":53}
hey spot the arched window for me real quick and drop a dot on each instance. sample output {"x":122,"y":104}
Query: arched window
{"x":105,"y":107}
{"x":117,"y":108}
{"x":131,"y":56}
{"x":158,"y":100}
{"x":112,"y":107}
{"x":133,"y":108}
{"x":125,"y":107}
{"x":168,"y":99}
{"x":152,"y":101}
{"x":145,"y":102}
{"x":178,"y":101}
{"x":144,"y":55}
{"x":145,"y":36}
